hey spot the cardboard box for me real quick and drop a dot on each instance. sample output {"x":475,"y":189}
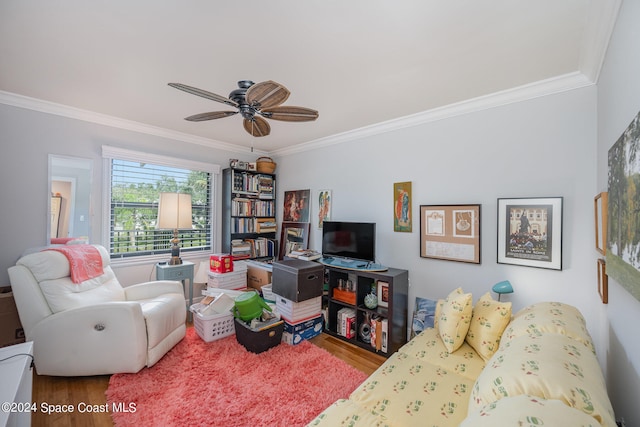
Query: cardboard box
{"x":258,"y":274}
{"x":295,"y":312}
{"x":298,"y":280}
{"x":296,"y":333}
{"x":11,"y":331}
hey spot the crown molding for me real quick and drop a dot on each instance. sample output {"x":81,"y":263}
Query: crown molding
{"x":550,"y":86}
{"x":546,"y":87}
{"x":601,"y":21}
{"x":42,"y":106}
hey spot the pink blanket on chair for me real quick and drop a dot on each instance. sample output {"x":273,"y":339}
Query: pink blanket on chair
{"x":85,"y":261}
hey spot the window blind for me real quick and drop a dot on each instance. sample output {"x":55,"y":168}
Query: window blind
{"x":134,"y":192}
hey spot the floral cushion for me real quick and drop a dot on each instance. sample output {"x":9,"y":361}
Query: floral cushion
{"x":549,"y":366}
{"x":454,"y":319}
{"x":525,"y":410}
{"x":406,"y":391}
{"x":488,"y":322}
{"x":545,"y":317}
{"x":345,"y":412}
{"x":428,"y":347}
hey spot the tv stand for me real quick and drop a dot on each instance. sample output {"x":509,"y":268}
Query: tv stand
{"x":351,"y":264}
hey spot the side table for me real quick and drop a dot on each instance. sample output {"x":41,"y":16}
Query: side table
{"x":17,"y":378}
{"x":180,"y":272}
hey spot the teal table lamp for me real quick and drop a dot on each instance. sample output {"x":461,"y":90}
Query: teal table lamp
{"x":503,"y":287}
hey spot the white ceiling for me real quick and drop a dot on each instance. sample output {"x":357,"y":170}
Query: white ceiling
{"x":361,"y":63}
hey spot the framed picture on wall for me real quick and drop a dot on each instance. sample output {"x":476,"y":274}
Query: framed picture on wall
{"x":450,"y":232}
{"x":324,"y":206}
{"x":402,"y":207}
{"x":600,"y":214}
{"x":296,"y":206}
{"x":530,"y":232}
{"x":603,"y":281}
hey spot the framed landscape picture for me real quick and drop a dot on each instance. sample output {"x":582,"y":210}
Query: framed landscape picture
{"x":450,"y":232}
{"x":530,"y":232}
{"x":623,"y":225}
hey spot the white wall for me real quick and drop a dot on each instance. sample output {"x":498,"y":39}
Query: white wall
{"x":539,"y":148}
{"x":618,"y":103}
{"x":28,"y":137}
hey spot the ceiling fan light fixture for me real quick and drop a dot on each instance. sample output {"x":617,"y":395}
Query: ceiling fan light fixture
{"x":250,"y":99}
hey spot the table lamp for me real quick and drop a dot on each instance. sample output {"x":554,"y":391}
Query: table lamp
{"x":503,"y":287}
{"x":174,"y":212}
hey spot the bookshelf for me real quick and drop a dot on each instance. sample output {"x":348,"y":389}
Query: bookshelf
{"x":249,"y":214}
{"x":340,"y":301}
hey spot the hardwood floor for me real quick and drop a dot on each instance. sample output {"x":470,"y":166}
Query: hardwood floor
{"x":51,"y":391}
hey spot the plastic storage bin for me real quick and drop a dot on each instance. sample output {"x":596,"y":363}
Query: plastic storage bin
{"x":213,"y":326}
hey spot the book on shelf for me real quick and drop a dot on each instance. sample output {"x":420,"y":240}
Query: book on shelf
{"x":385,"y":335}
{"x":376,"y":332}
{"x":266,"y":225}
{"x":346,"y":325}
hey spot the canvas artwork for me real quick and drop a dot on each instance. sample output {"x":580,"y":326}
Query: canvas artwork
{"x":623,"y":234}
{"x":324,"y":206}
{"x":402,"y":206}
{"x":296,"y":206}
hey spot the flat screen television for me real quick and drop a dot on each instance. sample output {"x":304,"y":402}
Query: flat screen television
{"x":352,"y":240}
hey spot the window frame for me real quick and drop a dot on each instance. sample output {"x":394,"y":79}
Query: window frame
{"x":109,"y":153}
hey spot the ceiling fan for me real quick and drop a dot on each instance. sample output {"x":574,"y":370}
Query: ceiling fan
{"x":253,"y":100}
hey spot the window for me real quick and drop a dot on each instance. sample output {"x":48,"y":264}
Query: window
{"x":132,"y":190}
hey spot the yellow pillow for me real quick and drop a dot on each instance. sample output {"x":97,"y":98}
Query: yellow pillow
{"x":439,"y":308}
{"x":488,"y":322}
{"x":454,"y":319}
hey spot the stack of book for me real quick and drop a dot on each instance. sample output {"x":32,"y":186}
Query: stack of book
{"x":240,"y":249}
{"x":266,"y":225}
{"x":305,"y":254}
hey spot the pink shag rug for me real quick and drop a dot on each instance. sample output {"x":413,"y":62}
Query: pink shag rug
{"x":222,"y":384}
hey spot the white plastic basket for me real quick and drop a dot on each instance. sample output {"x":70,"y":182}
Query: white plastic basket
{"x":211,"y":327}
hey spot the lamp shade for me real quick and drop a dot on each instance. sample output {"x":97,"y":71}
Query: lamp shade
{"x":503,"y":287}
{"x":202,"y":275}
{"x":174,"y":211}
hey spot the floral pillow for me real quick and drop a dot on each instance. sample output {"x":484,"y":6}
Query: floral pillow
{"x":526,"y":410}
{"x":454,"y":319}
{"x":488,"y":322}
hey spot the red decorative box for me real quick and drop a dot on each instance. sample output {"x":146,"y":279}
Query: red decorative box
{"x":221,"y":263}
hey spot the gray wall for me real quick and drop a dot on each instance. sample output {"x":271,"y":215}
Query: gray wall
{"x":28,"y":137}
{"x":618,"y":104}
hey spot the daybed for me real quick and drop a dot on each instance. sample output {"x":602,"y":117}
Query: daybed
{"x":544,"y":372}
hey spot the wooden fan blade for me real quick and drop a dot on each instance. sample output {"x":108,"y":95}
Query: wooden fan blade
{"x":257,"y":127}
{"x":204,"y":94}
{"x":290,"y":114}
{"x":210,"y":116}
{"x":267,"y":94}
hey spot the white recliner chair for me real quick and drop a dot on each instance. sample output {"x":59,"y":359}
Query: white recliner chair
{"x":95,"y":327}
